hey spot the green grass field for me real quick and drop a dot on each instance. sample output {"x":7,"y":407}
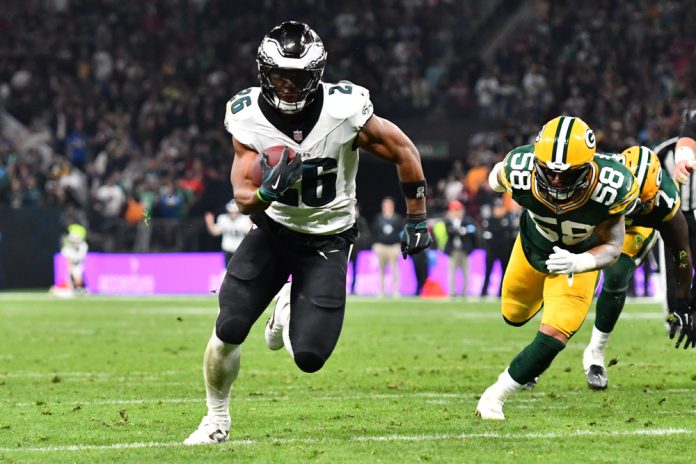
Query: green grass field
{"x":97,"y":379}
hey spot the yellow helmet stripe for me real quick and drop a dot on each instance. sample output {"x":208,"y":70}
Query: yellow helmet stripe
{"x":560,"y":145}
{"x":642,"y":168}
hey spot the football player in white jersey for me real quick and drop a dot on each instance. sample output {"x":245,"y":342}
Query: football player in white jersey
{"x":233,"y":227}
{"x":74,"y":251}
{"x":303,"y":210}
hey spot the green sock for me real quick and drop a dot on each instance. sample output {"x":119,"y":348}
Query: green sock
{"x":535,"y":358}
{"x":611,"y":301}
{"x":609,"y":306}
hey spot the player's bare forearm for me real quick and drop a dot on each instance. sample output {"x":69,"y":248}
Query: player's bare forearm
{"x":675,"y":234}
{"x":242,"y":184}
{"x":385,"y":140}
{"x":611,"y":233}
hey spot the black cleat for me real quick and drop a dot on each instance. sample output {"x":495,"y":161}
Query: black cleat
{"x":597,"y":377}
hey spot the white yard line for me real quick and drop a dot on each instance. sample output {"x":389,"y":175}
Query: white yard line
{"x":371,"y":438}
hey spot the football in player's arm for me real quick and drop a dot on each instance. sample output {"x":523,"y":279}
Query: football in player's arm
{"x":303,"y":209}
{"x":658,"y":211}
{"x":572,"y":226}
{"x":685,"y":151}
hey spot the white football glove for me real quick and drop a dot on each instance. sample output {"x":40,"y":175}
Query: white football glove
{"x":564,"y":262}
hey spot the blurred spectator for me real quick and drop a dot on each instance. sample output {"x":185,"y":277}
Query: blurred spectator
{"x":233,"y":226}
{"x":76,"y":144}
{"x":461,"y":240}
{"x":499,"y":233}
{"x":172,"y":201}
{"x":386,"y":234}
{"x":140,"y":91}
{"x":111,"y":197}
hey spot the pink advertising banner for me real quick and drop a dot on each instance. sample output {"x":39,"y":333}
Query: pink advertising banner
{"x":202,"y":273}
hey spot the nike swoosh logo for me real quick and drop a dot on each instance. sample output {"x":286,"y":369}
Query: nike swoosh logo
{"x":275,"y":185}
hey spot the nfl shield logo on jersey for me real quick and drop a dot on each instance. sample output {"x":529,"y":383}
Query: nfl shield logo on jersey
{"x":297,"y":135}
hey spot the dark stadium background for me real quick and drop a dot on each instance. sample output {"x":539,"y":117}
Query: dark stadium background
{"x":132,"y":92}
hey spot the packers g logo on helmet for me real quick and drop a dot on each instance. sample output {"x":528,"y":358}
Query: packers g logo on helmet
{"x":645,"y":166}
{"x":563,"y":151}
{"x":590,"y":138}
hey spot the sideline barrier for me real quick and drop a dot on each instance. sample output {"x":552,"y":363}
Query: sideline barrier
{"x":202,"y":273}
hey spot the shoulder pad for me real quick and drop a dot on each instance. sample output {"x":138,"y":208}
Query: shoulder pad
{"x":238,"y":108}
{"x":626,"y":192}
{"x":520,"y":159}
{"x":517,"y":168}
{"x":345,"y":100}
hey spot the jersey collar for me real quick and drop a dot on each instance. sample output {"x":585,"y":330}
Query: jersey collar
{"x":295,"y":126}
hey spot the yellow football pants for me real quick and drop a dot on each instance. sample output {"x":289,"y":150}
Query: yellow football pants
{"x":525,"y":290}
{"x":637,"y":242}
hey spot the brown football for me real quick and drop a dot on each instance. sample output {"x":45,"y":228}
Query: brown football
{"x":274,"y":153}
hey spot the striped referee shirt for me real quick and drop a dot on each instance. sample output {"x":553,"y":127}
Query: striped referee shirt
{"x":687,"y":192}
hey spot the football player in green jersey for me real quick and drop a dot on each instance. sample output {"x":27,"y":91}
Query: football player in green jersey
{"x":572,"y":226}
{"x":658,"y":211}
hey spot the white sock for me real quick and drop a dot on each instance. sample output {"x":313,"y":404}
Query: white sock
{"x":220,"y":369}
{"x":599,"y":339}
{"x":594,"y":353}
{"x":504,"y":387}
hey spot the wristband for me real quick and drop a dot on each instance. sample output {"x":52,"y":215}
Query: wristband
{"x":415,"y":190}
{"x":259,"y":195}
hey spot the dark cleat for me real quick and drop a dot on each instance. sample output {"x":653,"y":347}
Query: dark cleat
{"x":597,"y":377}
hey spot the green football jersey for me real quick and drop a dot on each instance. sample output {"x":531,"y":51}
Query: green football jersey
{"x":661,"y":209}
{"x":612,"y":191}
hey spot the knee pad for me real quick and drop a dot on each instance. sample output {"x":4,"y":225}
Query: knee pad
{"x":309,"y":362}
{"x":231,"y":330}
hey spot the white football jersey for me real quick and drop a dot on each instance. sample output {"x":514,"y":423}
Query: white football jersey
{"x":233,"y":230}
{"x":75,"y":252}
{"x":323,"y":201}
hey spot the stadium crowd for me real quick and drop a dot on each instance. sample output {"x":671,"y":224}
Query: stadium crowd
{"x":130,"y":96}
